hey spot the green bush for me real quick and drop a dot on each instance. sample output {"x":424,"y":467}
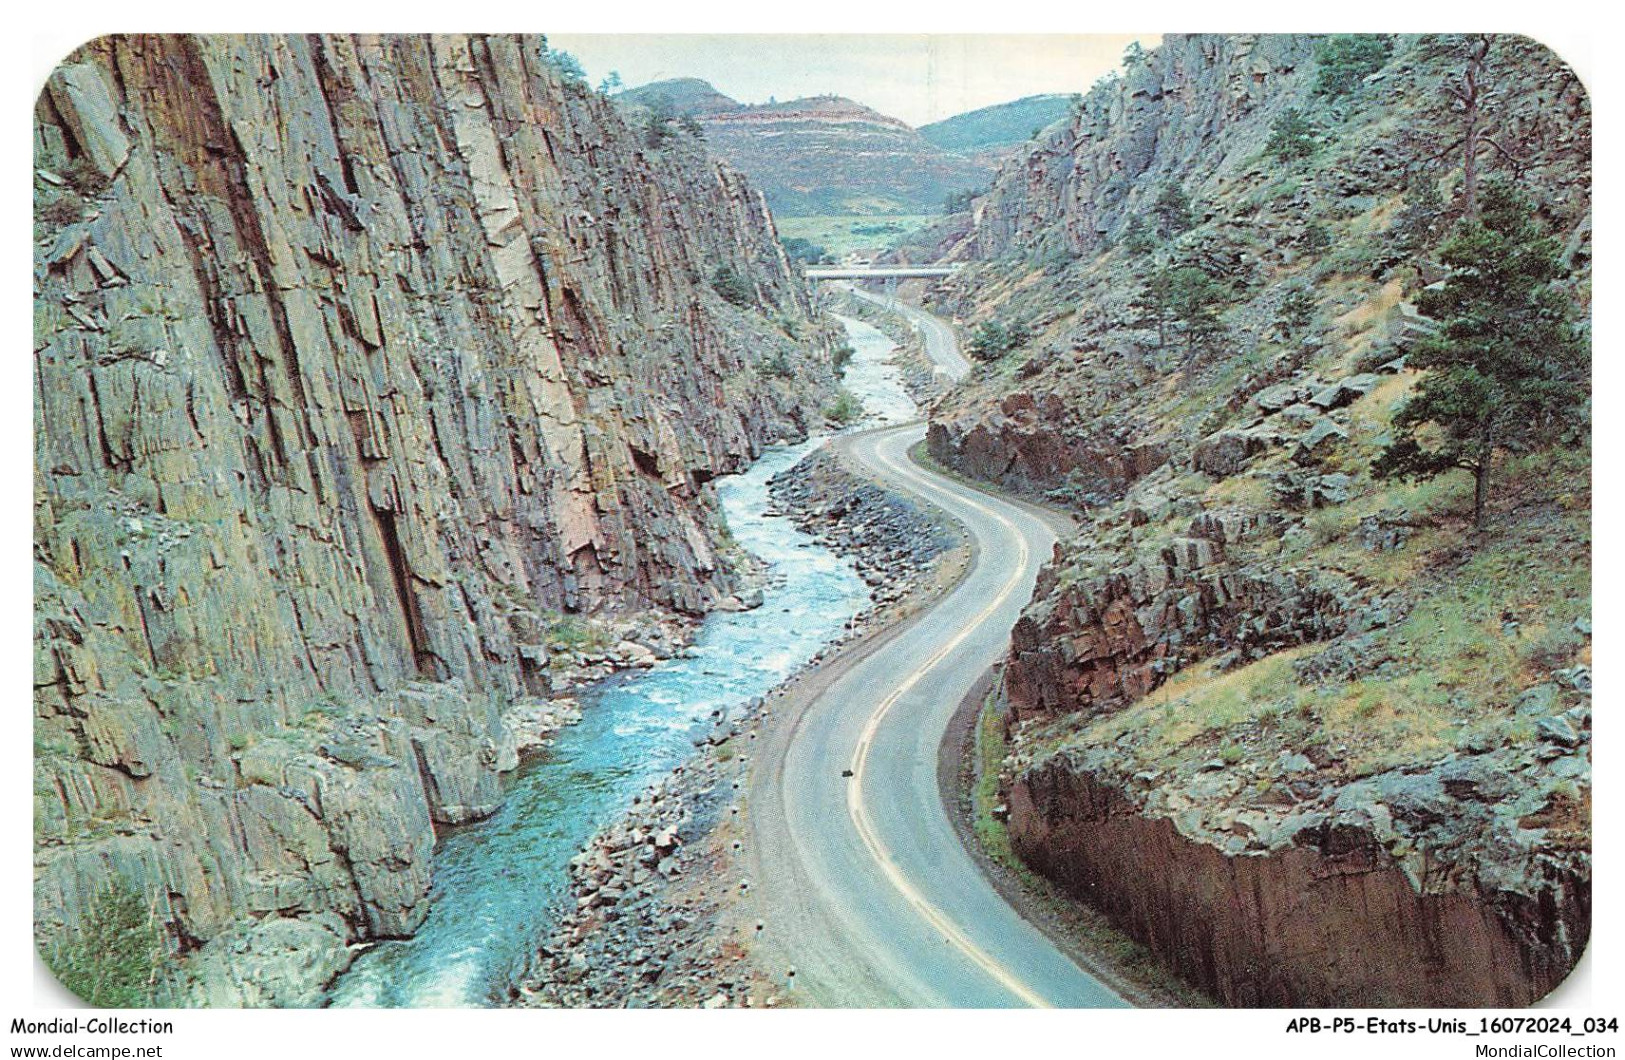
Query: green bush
{"x":1346,"y":59}
{"x":1292,"y":136}
{"x":657,"y":122}
{"x":734,"y":288}
{"x":85,"y":178}
{"x":567,"y":66}
{"x":61,"y":210}
{"x":115,"y":956}
{"x":1420,"y":222}
{"x":993,"y":339}
{"x":1173,"y":211}
{"x":777,"y":365}
{"x":805,"y":251}
{"x":845,"y":409}
{"x":1137,"y":237}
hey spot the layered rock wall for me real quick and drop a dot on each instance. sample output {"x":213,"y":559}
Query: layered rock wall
{"x":359,"y":360}
{"x":1094,"y":644}
{"x":1330,"y":903}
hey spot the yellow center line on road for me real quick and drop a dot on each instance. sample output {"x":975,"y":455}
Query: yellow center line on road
{"x":854,"y":788}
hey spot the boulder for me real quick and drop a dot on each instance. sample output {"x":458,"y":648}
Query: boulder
{"x":1320,"y":437}
{"x":1344,"y":392}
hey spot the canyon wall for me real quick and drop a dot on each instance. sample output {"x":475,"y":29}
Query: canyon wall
{"x":1370,"y":895}
{"x":1299,"y":728}
{"x":360,"y":361}
{"x":1194,"y":110}
{"x":1194,"y":113}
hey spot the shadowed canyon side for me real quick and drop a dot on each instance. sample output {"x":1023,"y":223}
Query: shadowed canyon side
{"x":1282,"y":710}
{"x":362,"y":364}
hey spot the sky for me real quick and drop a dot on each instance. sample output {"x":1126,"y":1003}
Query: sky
{"x":919,"y":79}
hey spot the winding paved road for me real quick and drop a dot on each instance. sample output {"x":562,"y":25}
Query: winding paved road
{"x":940,"y":344}
{"x":862,"y":883}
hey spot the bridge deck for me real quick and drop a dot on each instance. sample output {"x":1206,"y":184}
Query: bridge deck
{"x":883,"y":272}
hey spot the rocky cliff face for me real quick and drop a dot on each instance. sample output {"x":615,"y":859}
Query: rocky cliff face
{"x":1297,"y":728}
{"x":1198,"y":109}
{"x":361,"y":362}
{"x":1194,"y":113}
{"x":1368,"y":894}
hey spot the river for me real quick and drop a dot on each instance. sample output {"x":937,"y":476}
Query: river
{"x":497,"y":882}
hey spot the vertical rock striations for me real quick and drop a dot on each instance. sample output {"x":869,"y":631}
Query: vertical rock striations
{"x":358,"y":360}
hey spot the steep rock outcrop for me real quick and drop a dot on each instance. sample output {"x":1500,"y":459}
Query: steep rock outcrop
{"x":1094,"y":643}
{"x":1030,"y":441}
{"x":358,"y":361}
{"x":1371,"y":893}
{"x":1194,"y":108}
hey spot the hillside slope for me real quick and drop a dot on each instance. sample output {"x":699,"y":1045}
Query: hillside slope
{"x":366,"y":368}
{"x":823,"y":154}
{"x":991,"y":133}
{"x":681,"y":95}
{"x":1302,"y":730}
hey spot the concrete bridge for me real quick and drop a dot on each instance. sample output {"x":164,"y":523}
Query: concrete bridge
{"x":882,"y":272}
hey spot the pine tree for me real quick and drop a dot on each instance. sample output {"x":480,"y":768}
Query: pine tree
{"x":1152,"y":306}
{"x":1347,"y":59}
{"x":1173,"y":211}
{"x":1292,"y":136}
{"x":1137,"y":238}
{"x":1417,"y":227}
{"x":1507,"y":368}
{"x":1195,"y":299}
{"x":1185,"y":296}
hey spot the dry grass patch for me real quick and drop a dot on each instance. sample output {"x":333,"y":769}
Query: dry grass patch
{"x":1243,"y":491}
{"x":1193,"y":712}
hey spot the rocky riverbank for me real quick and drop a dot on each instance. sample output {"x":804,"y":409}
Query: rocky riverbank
{"x":641,"y":926}
{"x":649,"y":921}
{"x":920,"y":376}
{"x":892,"y":540}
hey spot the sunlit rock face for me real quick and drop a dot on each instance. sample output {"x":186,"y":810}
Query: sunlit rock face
{"x":1172,"y":693}
{"x":358,"y":360}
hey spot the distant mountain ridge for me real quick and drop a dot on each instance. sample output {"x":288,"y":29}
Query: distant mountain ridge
{"x":822,"y":155}
{"x":990,"y":133}
{"x":686,"y":95}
